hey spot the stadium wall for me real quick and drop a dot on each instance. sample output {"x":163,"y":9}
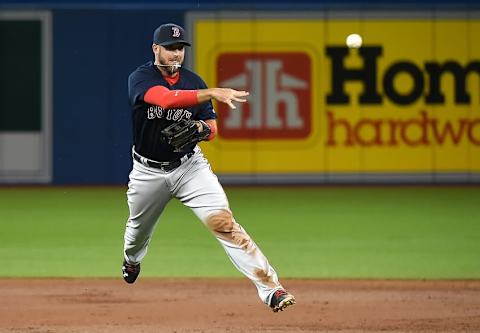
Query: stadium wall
{"x":92,"y":47}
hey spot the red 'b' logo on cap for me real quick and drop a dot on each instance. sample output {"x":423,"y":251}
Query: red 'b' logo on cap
{"x":279,"y":104}
{"x":175,"y":32}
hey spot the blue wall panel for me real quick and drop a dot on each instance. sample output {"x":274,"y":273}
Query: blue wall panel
{"x":94,"y":52}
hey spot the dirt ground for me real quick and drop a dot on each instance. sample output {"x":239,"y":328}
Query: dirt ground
{"x":215,"y":305}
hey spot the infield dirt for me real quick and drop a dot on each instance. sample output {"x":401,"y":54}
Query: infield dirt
{"x":231,"y":305}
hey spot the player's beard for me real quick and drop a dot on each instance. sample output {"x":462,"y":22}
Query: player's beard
{"x":169,"y":68}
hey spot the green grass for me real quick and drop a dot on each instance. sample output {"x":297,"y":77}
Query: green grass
{"x":321,"y":232}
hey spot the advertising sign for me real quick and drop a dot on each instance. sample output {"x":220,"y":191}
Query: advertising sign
{"x":407,"y":102}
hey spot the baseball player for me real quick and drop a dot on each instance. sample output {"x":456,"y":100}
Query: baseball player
{"x":172,"y":112}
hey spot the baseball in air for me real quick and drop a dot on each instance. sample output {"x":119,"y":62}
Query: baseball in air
{"x":354,"y":41}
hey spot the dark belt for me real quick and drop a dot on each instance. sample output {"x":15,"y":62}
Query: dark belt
{"x":165,"y":166}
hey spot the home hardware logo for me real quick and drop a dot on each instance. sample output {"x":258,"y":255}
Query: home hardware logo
{"x":279,"y":105}
{"x":367,"y":75}
{"x":421,"y":128}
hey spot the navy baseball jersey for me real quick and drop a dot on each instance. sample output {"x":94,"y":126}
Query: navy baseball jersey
{"x":149,"y":120}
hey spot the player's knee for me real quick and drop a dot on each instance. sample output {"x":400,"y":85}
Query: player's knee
{"x":224,"y":226}
{"x":221,"y":221}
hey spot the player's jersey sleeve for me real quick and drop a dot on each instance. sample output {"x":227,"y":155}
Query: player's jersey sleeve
{"x":138,"y":83}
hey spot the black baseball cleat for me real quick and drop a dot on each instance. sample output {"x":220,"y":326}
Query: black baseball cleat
{"x":130,"y":272}
{"x":280,"y":300}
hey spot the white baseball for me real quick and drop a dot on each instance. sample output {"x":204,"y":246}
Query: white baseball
{"x":354,"y":41}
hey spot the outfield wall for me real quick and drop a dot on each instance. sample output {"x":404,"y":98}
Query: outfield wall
{"x":404,"y":108}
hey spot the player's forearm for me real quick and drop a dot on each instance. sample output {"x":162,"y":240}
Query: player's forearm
{"x":204,"y":95}
{"x":167,"y":99}
{"x":212,"y":123}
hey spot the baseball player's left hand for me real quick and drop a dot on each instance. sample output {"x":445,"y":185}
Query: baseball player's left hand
{"x":185,"y":132}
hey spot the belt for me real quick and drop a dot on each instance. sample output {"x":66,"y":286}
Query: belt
{"x":165,"y":166}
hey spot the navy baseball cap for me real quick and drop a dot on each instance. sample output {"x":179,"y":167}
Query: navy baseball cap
{"x":169,"y":34}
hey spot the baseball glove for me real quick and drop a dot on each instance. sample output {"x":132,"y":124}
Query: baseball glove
{"x":185,"y":132}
